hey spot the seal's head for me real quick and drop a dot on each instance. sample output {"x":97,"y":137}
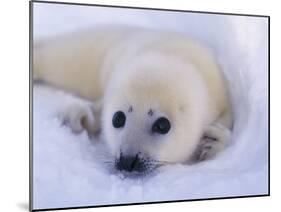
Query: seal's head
{"x":153,"y":113}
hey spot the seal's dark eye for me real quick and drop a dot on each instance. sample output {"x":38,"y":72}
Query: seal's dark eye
{"x":118,"y":119}
{"x":161,"y":125}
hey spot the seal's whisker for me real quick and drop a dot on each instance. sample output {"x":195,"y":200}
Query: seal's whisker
{"x":108,"y":162}
{"x":163,"y":162}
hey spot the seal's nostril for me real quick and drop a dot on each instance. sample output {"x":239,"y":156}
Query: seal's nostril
{"x":135,"y":162}
{"x":129,"y":163}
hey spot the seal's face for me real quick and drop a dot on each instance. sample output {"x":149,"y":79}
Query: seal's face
{"x":148,"y":122}
{"x":138,"y":137}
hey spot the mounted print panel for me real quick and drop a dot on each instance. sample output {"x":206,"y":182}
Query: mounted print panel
{"x":140,"y":105}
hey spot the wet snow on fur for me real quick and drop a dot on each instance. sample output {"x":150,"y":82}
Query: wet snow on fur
{"x":70,"y":170}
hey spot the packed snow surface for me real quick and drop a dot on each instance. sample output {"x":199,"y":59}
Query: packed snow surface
{"x":69,"y":169}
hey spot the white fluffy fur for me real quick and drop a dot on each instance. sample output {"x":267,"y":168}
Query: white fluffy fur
{"x":120,"y":67}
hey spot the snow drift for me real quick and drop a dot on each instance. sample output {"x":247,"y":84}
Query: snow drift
{"x":68,"y":171}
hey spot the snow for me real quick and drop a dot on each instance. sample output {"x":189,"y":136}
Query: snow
{"x":69,"y":170}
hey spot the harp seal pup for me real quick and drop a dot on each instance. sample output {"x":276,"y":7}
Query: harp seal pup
{"x":157,"y":97}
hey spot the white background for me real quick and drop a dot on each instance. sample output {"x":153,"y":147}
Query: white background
{"x":14,"y":117}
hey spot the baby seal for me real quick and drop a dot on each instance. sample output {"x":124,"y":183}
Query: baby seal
{"x":157,"y":97}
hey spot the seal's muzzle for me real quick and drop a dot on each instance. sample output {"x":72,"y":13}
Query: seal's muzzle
{"x":130,"y":163}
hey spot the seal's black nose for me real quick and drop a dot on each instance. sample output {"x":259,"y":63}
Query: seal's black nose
{"x":129,"y":163}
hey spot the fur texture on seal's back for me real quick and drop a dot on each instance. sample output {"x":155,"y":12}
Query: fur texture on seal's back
{"x":135,"y":71}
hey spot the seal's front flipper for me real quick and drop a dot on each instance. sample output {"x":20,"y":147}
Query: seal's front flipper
{"x":81,"y":115}
{"x":213,"y":141}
